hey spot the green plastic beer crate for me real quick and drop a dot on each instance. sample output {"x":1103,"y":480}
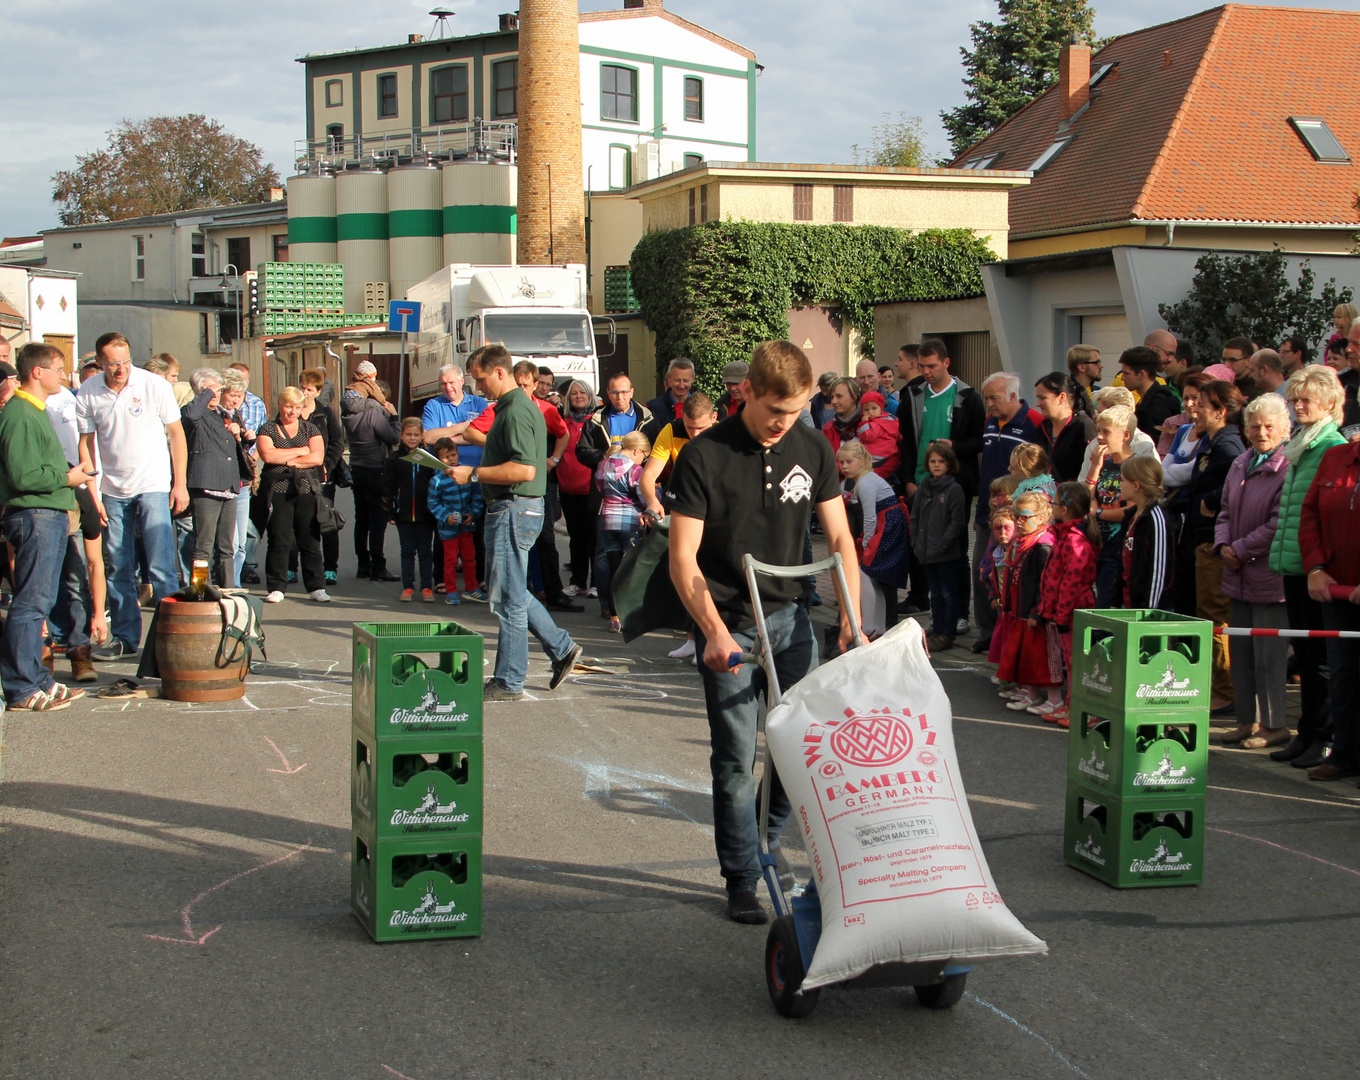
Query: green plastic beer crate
{"x":408,"y":890}
{"x":403,"y":789}
{"x":417,"y":679}
{"x":1135,"y":843}
{"x":1141,"y":659}
{"x":1133,"y":756}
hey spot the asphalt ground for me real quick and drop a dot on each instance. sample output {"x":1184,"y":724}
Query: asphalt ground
{"x":174,"y":886}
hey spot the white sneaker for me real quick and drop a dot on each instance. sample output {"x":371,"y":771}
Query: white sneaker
{"x":569,"y":590}
{"x":321,"y":596}
{"x":592,"y":593}
{"x":961,"y":628}
{"x":684,"y":652}
{"x":275,"y":597}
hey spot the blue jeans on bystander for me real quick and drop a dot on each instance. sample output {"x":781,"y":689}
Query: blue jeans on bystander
{"x":946,"y":606}
{"x":417,"y":539}
{"x":152,"y":510}
{"x":39,"y":539}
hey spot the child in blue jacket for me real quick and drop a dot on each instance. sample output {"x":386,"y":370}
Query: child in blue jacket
{"x":456,"y":509}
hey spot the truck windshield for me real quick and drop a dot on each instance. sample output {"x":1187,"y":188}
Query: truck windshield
{"x":547,"y":333}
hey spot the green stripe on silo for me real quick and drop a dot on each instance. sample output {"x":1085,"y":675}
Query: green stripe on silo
{"x":311,"y":230}
{"x":428,"y":222}
{"x":481,"y":219}
{"x":361,"y":227}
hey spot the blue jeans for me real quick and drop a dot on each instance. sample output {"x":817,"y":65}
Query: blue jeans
{"x":243,"y":528}
{"x":39,"y":538}
{"x":152,"y":510}
{"x":70,"y":618}
{"x":731,"y":702}
{"x":416,"y":543}
{"x":1107,"y":576}
{"x":946,"y":606}
{"x":610,"y":544}
{"x":512,"y":526}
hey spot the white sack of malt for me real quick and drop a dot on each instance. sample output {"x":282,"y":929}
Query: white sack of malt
{"x":865,"y":748}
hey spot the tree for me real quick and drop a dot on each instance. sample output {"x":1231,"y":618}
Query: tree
{"x":897,"y":143}
{"x":1012,"y":62}
{"x":161,"y":165}
{"x":1251,"y":295}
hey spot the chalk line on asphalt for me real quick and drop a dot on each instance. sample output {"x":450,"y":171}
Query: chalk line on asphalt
{"x":1281,"y":847}
{"x":1012,"y":723}
{"x":1029,"y":1031}
{"x":1349,"y":804}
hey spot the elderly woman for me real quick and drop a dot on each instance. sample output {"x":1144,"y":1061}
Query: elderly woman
{"x":293,"y":452}
{"x":575,"y":487}
{"x":213,"y":475}
{"x":1247,"y":524}
{"x":844,"y":422}
{"x":1316,"y":395}
{"x":234,"y":387}
{"x":1217,"y":419}
{"x":1328,"y":527}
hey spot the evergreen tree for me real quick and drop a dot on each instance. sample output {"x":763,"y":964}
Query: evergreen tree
{"x":1012,"y":62}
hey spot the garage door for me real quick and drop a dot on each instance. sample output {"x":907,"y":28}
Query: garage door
{"x":1109,"y":334}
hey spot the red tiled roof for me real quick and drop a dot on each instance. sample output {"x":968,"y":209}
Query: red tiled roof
{"x":1193,"y":125}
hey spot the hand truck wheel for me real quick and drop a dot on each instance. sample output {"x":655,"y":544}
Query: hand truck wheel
{"x":944,"y":994}
{"x":784,"y":971}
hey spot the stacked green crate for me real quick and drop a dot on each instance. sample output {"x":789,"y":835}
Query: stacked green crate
{"x":301,"y":286}
{"x":416,"y":780}
{"x":1138,"y":747}
{"x":618,"y":289}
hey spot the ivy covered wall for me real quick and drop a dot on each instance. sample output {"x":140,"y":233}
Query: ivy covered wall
{"x":713,"y":292}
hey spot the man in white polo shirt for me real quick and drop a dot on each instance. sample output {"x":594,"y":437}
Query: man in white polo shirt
{"x":132,"y":418}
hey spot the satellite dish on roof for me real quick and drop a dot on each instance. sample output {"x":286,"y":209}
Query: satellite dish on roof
{"x":442,"y":15}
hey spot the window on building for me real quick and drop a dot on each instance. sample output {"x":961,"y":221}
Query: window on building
{"x":1056,"y":148}
{"x":620,"y":167}
{"x":335,"y":93}
{"x":1318,"y":137}
{"x":198,"y":252}
{"x":449,"y":94}
{"x":238,"y":253}
{"x":694,"y":98}
{"x":279,"y":243}
{"x":139,"y":258}
{"x":802,"y":202}
{"x":505,"y":81}
{"x":618,"y":93}
{"x":703,"y":203}
{"x":693,"y":159}
{"x":335,"y":138}
{"x":986,"y":161}
{"x":843,"y":203}
{"x":693,"y":212}
{"x":387,"y":95}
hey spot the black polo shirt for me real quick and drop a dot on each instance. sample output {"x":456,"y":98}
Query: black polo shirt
{"x":751,"y":499}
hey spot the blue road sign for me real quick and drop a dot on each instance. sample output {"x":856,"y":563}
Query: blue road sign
{"x":403,"y":316}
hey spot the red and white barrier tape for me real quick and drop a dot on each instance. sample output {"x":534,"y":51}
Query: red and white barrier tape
{"x":1257,"y":631}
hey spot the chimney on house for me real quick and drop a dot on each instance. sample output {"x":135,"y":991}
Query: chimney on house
{"x":1074,"y":77}
{"x":509,"y":21}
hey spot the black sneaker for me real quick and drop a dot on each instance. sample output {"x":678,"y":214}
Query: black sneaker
{"x":363,"y":573}
{"x":744,"y":906}
{"x":249,"y":577}
{"x":116,"y":649}
{"x":563,"y":603}
{"x":492,"y":690}
{"x":383,"y":574}
{"x":562,"y":668}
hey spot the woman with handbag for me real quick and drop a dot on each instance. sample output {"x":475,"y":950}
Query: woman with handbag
{"x":323,"y":418}
{"x":293,"y":453}
{"x":213,"y":475}
{"x":234,"y":387}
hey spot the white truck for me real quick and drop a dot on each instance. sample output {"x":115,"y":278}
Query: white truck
{"x":537,"y":312}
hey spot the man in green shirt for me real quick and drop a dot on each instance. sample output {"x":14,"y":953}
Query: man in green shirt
{"x":35,"y":491}
{"x":514,"y":476}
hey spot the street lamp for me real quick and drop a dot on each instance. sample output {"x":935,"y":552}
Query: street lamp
{"x":224,"y":285}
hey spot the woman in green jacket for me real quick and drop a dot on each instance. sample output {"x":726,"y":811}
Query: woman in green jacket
{"x":1317,"y":397}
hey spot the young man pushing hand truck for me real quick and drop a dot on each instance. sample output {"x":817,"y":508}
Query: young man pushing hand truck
{"x":748,"y":485}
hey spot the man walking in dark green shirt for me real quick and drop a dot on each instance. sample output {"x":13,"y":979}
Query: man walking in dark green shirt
{"x":35,"y":491}
{"x":514,"y":476}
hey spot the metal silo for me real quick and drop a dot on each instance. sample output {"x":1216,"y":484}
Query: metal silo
{"x":311,"y":219}
{"x":361,"y":231}
{"x":415,"y":226}
{"x":479,"y":213}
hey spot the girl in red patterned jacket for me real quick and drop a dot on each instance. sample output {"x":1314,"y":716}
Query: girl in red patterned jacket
{"x":1068,"y":580}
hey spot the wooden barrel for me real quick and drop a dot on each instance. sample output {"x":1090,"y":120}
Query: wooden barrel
{"x":187,"y":639}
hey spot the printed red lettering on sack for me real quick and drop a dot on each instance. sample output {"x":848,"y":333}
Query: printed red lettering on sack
{"x":854,"y":920}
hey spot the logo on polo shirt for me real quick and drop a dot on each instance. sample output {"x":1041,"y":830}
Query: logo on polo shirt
{"x":796,"y":486}
{"x":134,"y":406}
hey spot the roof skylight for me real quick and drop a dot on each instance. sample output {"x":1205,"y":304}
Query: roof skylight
{"x":1056,"y":148}
{"x":986,"y":161}
{"x":1318,"y":137}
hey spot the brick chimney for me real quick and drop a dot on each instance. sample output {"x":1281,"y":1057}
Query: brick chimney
{"x":1074,"y":75}
{"x":551,"y":201}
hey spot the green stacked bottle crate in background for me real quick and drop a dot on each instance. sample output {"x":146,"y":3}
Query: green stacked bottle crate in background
{"x":416,"y":780}
{"x":1138,"y":747}
{"x":301,"y":286}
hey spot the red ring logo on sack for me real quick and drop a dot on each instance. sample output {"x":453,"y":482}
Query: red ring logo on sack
{"x":872,"y":741}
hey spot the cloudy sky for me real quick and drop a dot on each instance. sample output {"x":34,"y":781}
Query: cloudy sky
{"x":75,"y":68}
